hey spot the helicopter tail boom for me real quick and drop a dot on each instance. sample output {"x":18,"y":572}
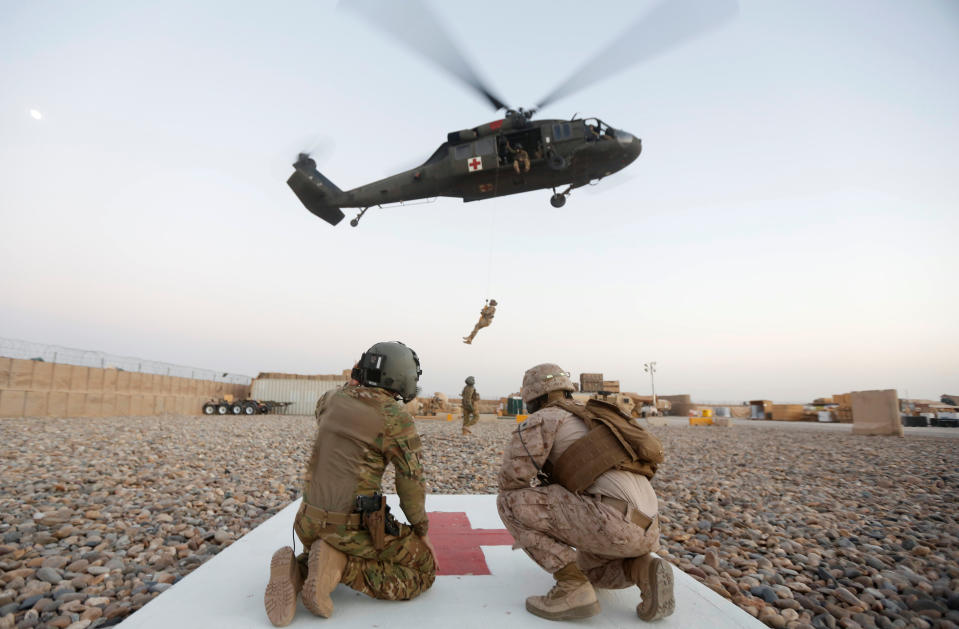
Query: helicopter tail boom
{"x":315,"y":191}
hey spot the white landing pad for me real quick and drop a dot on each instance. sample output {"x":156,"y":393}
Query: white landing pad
{"x":482,"y":583}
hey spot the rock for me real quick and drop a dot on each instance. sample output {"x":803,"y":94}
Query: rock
{"x":45,"y":605}
{"x":764,"y":592}
{"x":115,"y":610}
{"x":876,"y":563}
{"x":49,"y":575}
{"x":91,"y":614}
{"x":77,"y":566}
{"x":848,"y":597}
{"x":771,"y":618}
{"x":823,"y":621}
{"x":56,"y":562}
{"x":222,"y":537}
{"x":71,"y":607}
{"x":711,"y":559}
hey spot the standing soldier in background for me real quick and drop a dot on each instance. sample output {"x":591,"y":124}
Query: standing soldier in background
{"x":439,"y":403}
{"x":486,"y":317}
{"x":343,"y":521}
{"x":574,"y":492}
{"x":470,"y":404}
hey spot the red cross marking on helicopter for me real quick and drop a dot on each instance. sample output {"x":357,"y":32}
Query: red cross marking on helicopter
{"x":475,"y":164}
{"x":458,"y":544}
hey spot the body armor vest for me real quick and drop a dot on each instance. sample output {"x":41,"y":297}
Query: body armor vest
{"x":613,"y":441}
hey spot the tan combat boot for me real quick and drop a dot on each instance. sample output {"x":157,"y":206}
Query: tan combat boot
{"x":572,"y":597}
{"x":654,"y":577}
{"x":284,"y":586}
{"x":326,"y":565}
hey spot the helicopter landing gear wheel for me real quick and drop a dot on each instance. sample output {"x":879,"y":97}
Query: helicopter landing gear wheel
{"x":356,"y":221}
{"x":558,"y":199}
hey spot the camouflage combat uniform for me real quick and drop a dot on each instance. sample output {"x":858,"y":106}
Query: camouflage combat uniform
{"x":555,"y":526}
{"x":486,"y":318}
{"x":359,"y":431}
{"x":470,"y":398}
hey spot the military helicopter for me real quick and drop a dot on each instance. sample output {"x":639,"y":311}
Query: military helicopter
{"x":515,"y":153}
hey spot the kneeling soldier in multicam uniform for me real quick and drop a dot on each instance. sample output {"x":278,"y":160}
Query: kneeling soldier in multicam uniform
{"x":343,"y":521}
{"x":574,"y":492}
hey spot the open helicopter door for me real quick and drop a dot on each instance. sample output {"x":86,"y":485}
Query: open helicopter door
{"x":476,"y":163}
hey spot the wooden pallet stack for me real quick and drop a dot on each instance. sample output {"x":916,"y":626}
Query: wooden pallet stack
{"x":590,"y":382}
{"x":843,"y":412}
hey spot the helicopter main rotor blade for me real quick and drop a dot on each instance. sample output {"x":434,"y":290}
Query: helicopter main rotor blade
{"x":667,"y":25}
{"x":413,"y":23}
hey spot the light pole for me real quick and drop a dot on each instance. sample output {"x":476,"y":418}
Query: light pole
{"x":650,"y":368}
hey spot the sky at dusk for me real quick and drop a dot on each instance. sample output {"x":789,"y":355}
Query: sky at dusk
{"x":788,"y":232}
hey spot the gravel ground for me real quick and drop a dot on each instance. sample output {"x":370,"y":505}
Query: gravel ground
{"x":800,"y":528}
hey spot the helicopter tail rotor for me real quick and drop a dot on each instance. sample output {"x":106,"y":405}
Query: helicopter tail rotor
{"x":315,"y":191}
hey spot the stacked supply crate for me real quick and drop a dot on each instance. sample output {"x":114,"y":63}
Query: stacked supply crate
{"x":590,"y":382}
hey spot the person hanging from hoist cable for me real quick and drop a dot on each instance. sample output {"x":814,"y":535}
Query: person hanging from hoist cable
{"x":486,"y":317}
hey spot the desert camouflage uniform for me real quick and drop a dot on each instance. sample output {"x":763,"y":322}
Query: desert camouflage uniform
{"x":470,"y":397}
{"x":359,"y":431}
{"x":486,"y":318}
{"x":555,"y":526}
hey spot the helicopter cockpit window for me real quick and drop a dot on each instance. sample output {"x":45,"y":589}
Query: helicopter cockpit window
{"x":596,"y":129}
{"x":485,"y":146}
{"x":562,"y":131}
{"x":463,"y":151}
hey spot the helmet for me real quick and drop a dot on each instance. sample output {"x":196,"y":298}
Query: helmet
{"x":541,"y":379}
{"x":470,"y":380}
{"x":391,"y":366}
{"x":492,"y":302}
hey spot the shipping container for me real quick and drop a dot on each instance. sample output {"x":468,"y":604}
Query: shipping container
{"x":303,"y":391}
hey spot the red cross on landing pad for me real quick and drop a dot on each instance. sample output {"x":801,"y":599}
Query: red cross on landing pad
{"x":458,"y":544}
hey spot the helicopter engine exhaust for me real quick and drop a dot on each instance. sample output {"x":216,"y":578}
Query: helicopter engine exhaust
{"x":315,"y":191}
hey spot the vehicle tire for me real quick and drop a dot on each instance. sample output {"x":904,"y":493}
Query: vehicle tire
{"x":263,"y":409}
{"x":236,"y":409}
{"x":222,"y":409}
{"x":249,"y":409}
{"x":557,"y":200}
{"x":209,"y":409}
{"x":556,"y":161}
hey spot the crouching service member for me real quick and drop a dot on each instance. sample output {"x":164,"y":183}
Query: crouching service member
{"x":345,"y":526}
{"x":574,"y":492}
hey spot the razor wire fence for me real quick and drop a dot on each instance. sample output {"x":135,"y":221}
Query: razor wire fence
{"x":13,"y":348}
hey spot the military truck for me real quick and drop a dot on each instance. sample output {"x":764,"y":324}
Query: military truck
{"x":227,"y":405}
